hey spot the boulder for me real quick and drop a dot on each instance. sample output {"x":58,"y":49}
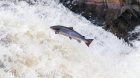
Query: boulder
{"x":118,"y":16}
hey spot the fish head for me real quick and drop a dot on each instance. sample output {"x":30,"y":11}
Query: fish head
{"x":55,"y":28}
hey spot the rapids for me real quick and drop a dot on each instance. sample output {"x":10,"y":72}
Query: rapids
{"x":30,"y":49}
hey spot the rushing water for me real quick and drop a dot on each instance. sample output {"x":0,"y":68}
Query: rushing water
{"x":30,"y":49}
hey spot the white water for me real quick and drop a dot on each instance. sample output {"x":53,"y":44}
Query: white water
{"x":29,"y":49}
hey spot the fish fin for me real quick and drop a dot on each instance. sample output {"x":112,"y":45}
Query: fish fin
{"x":56,"y":32}
{"x":79,"y":41}
{"x":89,"y":42}
{"x":71,"y":28}
{"x":70,"y":38}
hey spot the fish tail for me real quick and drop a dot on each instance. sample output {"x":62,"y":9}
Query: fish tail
{"x":88,"y":42}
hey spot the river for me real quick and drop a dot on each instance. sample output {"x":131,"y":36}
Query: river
{"x":30,"y":49}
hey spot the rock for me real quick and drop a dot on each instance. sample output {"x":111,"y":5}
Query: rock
{"x":118,"y":16}
{"x":119,"y":27}
{"x":111,"y":14}
{"x":126,"y":22}
{"x":106,"y":3}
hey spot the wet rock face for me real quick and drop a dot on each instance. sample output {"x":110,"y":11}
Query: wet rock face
{"x":118,"y":16}
{"x":108,"y":3}
{"x":90,"y":11}
{"x":126,"y":21}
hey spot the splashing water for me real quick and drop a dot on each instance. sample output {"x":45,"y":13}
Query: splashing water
{"x":29,"y":49}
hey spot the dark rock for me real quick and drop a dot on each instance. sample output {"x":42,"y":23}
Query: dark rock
{"x":126,"y":22}
{"x":111,"y":14}
{"x":118,"y":16}
{"x":93,"y":13}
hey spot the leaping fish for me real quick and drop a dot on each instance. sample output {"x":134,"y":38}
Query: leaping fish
{"x":72,"y":34}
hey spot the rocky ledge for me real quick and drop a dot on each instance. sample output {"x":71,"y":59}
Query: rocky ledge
{"x":117,"y":16}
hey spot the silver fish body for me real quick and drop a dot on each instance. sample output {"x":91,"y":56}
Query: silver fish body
{"x":72,"y":34}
